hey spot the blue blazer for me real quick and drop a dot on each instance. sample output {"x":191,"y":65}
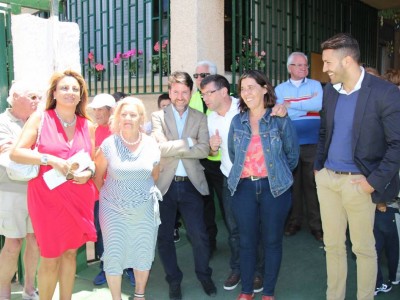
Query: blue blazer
{"x":376,"y":134}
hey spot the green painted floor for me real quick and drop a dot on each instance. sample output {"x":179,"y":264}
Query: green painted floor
{"x":302,"y":275}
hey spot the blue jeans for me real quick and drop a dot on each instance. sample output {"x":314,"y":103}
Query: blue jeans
{"x":386,"y":236}
{"x":183,"y":196}
{"x":233,"y":235}
{"x":253,"y":204}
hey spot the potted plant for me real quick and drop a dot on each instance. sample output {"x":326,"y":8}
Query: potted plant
{"x":131,"y":60}
{"x":159,"y":61}
{"x":95,"y":68}
{"x":249,"y":59}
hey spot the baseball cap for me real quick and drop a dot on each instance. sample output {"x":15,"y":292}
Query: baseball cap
{"x":102,"y":100}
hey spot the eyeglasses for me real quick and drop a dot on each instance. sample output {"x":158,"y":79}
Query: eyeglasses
{"x":209,"y":93}
{"x":202,"y":75}
{"x":300,"y":65}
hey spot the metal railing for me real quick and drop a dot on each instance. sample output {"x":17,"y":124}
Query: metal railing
{"x":6,"y":62}
{"x":119,"y":44}
{"x":280,"y":27}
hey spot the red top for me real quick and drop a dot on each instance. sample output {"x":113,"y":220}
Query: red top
{"x":254,"y":163}
{"x":62,"y":218}
{"x":102,"y":132}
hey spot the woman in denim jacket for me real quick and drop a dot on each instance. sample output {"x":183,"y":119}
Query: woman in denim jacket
{"x":264,"y":151}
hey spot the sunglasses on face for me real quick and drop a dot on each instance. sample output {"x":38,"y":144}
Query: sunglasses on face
{"x":202,"y":75}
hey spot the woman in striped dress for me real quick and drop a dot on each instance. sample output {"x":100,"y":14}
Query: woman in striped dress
{"x":129,"y":216}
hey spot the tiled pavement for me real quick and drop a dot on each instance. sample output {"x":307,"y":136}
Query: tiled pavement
{"x":302,"y":275}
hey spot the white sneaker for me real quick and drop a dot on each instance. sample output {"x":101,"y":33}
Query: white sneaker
{"x":383,"y":288}
{"x":396,"y":282}
{"x":34,"y":296}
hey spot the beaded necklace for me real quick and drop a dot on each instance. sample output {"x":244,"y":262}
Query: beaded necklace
{"x":130,"y":143}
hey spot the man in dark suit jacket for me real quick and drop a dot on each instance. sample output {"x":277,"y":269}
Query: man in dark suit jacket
{"x":182,"y":134}
{"x":358,"y":160}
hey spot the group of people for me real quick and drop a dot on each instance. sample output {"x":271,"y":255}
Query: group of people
{"x":264,"y":156}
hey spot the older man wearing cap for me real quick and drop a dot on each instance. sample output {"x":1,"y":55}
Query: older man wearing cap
{"x":102,"y":105}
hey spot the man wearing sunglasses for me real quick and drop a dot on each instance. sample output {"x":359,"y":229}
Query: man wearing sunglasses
{"x":303,"y":98}
{"x":211,"y":164}
{"x":204,"y":68}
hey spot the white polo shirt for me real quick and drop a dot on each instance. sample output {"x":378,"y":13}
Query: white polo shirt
{"x":223,"y":123}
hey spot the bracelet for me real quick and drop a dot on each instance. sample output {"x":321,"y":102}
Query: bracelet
{"x":91,"y":172}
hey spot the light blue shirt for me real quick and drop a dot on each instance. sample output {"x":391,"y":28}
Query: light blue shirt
{"x":180,"y":124}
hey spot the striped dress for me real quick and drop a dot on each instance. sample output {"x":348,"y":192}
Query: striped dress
{"x":129,"y":215}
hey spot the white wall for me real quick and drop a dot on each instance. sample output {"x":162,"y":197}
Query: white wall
{"x":43,"y":46}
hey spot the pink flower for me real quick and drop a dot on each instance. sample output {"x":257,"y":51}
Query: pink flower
{"x":127,"y":54}
{"x":116,"y":60}
{"x":157,"y":47}
{"x":90,"y":56}
{"x":99,"y":67}
{"x":140,"y":52}
{"x":164,"y":44}
{"x":263,"y":53}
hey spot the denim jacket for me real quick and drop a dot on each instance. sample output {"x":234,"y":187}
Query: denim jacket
{"x":280,"y":145}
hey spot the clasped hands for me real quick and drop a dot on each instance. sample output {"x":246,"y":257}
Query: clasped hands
{"x":69,"y":171}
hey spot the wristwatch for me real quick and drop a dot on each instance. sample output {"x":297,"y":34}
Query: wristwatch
{"x":44,"y":160}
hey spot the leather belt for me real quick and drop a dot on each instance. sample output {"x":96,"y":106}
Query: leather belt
{"x":181,"y":178}
{"x":346,"y":173}
{"x":255,"y":178}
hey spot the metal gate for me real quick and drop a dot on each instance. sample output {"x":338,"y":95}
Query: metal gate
{"x":124,"y":44}
{"x":6,"y":65}
{"x":279,"y":27}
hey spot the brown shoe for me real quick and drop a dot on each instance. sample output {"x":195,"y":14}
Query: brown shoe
{"x":258,"y":284}
{"x":232,"y":281}
{"x":292,"y":229}
{"x":318,"y":234}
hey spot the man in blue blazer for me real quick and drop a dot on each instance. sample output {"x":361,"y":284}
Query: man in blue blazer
{"x":357,"y":164}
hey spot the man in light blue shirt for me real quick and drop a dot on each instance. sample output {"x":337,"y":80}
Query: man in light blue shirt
{"x":303,"y":99}
{"x":182,"y":134}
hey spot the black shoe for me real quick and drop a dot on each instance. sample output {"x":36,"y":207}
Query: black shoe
{"x":318,"y":234}
{"x":209,"y":287}
{"x":292,"y":229}
{"x":175,"y":292}
{"x":384,"y":288}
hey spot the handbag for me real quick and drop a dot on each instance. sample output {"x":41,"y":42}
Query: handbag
{"x":23,"y":172}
